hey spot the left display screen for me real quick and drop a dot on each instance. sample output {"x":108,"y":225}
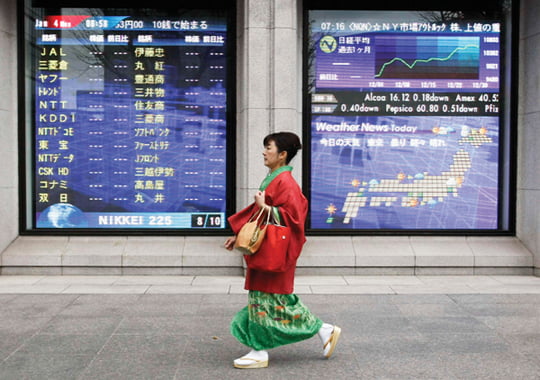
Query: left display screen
{"x":130,"y":118}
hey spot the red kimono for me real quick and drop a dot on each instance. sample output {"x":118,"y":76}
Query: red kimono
{"x":285,"y":194}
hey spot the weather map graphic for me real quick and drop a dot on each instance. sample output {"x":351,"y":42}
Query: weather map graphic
{"x":422,"y":189}
{"x":452,"y":179}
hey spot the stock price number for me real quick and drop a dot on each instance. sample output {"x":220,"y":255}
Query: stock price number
{"x":358,"y":108}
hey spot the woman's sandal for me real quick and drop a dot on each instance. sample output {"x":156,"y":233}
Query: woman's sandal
{"x":245,"y":363}
{"x":331,"y":343}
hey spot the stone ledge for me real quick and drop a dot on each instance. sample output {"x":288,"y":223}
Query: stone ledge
{"x":329,"y":255}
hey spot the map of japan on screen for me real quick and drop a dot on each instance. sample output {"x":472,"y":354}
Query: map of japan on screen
{"x":404,"y":121}
{"x":130,"y":120}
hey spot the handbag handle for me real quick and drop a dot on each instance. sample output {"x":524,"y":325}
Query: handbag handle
{"x":275,"y":221}
{"x":255,"y":236}
{"x":256,"y":216}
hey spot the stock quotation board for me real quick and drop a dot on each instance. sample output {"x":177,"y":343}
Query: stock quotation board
{"x":130,"y":124}
{"x":404,"y":121}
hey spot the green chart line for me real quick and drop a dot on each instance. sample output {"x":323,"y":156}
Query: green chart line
{"x":410,"y":66}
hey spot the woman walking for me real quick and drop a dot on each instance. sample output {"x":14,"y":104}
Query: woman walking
{"x":274,"y":315}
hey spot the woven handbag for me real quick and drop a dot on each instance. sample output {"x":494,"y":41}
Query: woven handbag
{"x":251,"y":235}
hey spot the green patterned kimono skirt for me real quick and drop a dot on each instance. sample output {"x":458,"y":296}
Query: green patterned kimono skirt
{"x":273,"y":320}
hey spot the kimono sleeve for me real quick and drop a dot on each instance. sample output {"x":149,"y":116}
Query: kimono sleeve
{"x":236,"y":221}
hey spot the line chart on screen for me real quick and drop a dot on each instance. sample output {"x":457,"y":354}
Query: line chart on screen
{"x":430,"y":57}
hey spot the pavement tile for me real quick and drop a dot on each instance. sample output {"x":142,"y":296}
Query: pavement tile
{"x":463,"y":325}
{"x":119,"y":344}
{"x":305,"y":361}
{"x":93,"y":309}
{"x":108,"y":289}
{"x":23,"y":325}
{"x":502,"y":309}
{"x":6,"y":298}
{"x":390,"y":344}
{"x":163,"y":309}
{"x":432,"y":310}
{"x":237,"y":289}
{"x":458,"y":343}
{"x":30,"y":310}
{"x":40,"y":344}
{"x":421,"y":299}
{"x":33,"y":289}
{"x":407,"y":366}
{"x":154,"y":280}
{"x":506,"y":325}
{"x":220,"y":310}
{"x":189,"y":289}
{"x":443,"y":281}
{"x":521,"y":280}
{"x":431,"y":289}
{"x":496,"y":298}
{"x":134,"y":365}
{"x":492,"y":366}
{"x":78,"y":325}
{"x":40,"y":299}
{"x":383,"y":280}
{"x":145,"y":356}
{"x":347,"y":299}
{"x":219,"y":299}
{"x":22,"y":365}
{"x":153,"y":326}
{"x":180,"y":298}
{"x":352,"y":289}
{"x":507,"y":289}
{"x":11,"y":342}
{"x":359,"y":324}
{"x":76,"y":280}
{"x":526,"y":344}
{"x":372,"y":309}
{"x":106,"y":299}
{"x":21,"y":280}
{"x":217,"y":280}
{"x":303,"y":289}
{"x":322,"y":280}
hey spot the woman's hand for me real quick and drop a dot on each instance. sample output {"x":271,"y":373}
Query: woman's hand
{"x":229,"y":243}
{"x":260,"y":199}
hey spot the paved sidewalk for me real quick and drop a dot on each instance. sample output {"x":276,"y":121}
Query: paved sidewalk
{"x":137,"y":327}
{"x":235,"y":284}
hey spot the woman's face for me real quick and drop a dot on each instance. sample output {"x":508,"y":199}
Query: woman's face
{"x":272,"y":158}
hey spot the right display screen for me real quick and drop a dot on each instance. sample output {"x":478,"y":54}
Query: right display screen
{"x":405,"y":120}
